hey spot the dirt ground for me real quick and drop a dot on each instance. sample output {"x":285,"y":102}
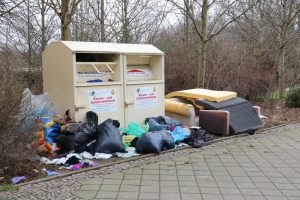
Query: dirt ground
{"x":276,"y":113}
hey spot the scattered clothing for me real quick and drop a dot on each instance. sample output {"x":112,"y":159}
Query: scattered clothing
{"x":102,"y":155}
{"x":72,"y":160}
{"x":181,"y":144}
{"x":50,"y":172}
{"x":17,"y":179}
{"x":179,"y":134}
{"x":131,"y":151}
{"x":76,"y":166}
{"x":59,"y":161}
{"x":86,"y":155}
{"x":197,"y":137}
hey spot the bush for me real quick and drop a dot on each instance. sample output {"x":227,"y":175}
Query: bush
{"x":292,"y":99}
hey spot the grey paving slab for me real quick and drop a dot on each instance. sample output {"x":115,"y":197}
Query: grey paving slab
{"x":265,"y":166}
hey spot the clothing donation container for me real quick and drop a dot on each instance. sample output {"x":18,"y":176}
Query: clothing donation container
{"x":119,"y":81}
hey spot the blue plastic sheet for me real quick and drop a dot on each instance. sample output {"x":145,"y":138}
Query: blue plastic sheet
{"x":179,"y":134}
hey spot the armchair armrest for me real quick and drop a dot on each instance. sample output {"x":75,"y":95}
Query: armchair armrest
{"x":182,"y":112}
{"x":257,"y":110}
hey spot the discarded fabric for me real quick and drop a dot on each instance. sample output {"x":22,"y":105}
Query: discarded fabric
{"x":17,"y":179}
{"x":72,"y":160}
{"x":59,"y":161}
{"x":51,"y":130}
{"x":102,"y":155}
{"x":40,"y":145}
{"x":50,"y":172}
{"x":181,"y":144}
{"x":197,"y":137}
{"x":131,"y":151}
{"x":179,"y":134}
{"x":86,"y":155}
{"x":76,"y":166}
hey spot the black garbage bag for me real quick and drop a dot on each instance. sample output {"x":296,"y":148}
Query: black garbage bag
{"x":76,"y":136}
{"x":133,"y":142}
{"x":168,"y":140}
{"x":86,"y":133}
{"x":108,"y":137}
{"x":161,"y":123}
{"x":155,"y":142}
{"x":197,"y":137}
{"x":65,"y":142}
{"x":155,"y":126}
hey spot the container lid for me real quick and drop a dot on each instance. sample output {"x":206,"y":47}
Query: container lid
{"x":112,"y":47}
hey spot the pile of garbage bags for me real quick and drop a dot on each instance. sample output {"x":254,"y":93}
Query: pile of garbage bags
{"x":60,"y":134}
{"x":77,"y":143}
{"x":80,"y":137}
{"x":163,"y":133}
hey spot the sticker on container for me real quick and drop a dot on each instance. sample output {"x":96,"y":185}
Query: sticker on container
{"x":145,"y":97}
{"x":102,"y":100}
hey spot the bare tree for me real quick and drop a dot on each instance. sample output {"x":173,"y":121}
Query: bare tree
{"x":65,"y":9}
{"x":7,"y":6}
{"x":208,"y":29}
{"x":281,"y":16}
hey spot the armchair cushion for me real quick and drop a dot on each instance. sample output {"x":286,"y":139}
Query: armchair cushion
{"x":214,"y":121}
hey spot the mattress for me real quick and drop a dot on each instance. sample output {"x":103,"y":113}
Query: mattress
{"x":210,"y":95}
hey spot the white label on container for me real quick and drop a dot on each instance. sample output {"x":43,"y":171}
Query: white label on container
{"x":145,"y":97}
{"x":102,"y":100}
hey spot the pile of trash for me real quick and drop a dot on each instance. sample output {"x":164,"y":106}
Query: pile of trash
{"x":80,"y":142}
{"x":90,"y":140}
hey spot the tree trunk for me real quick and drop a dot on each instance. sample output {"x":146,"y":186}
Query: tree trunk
{"x":280,"y":64}
{"x":125,"y":37}
{"x":202,"y":56}
{"x":64,"y":20}
{"x":43,"y":26}
{"x":102,"y":25}
{"x":65,"y":32}
{"x":29,"y":53}
{"x":186,"y":29}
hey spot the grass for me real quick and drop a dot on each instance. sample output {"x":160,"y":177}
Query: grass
{"x":7,"y":187}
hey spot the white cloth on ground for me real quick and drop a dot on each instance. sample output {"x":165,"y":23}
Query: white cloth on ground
{"x":130,"y":153}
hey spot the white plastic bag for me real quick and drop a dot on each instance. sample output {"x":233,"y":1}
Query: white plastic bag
{"x":34,"y":107}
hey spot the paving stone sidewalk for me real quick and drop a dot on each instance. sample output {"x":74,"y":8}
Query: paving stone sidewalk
{"x":264,"y":166}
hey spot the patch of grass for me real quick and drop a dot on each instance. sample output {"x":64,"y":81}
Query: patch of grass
{"x":292,"y":99}
{"x":7,"y":187}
